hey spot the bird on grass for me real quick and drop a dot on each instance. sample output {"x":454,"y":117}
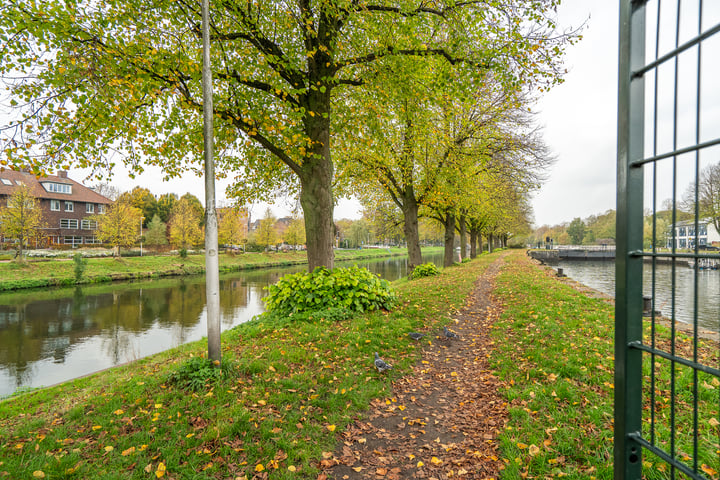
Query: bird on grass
{"x":416,"y":335}
{"x":380,"y":364}
{"x":449,"y":334}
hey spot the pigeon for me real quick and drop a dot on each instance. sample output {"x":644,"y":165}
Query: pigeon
{"x":416,"y":335}
{"x":449,"y":334}
{"x":380,"y":364}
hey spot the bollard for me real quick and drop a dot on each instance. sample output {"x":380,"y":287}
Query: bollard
{"x":560,"y":272}
{"x":647,"y":305}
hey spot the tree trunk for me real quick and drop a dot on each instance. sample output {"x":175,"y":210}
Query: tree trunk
{"x":490,"y":243}
{"x":473,"y":242}
{"x":463,"y":237}
{"x":449,"y":239}
{"x":317,"y":204}
{"x":412,"y":232}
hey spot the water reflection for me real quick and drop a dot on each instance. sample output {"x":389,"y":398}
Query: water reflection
{"x":601,"y":277}
{"x":57,"y":334}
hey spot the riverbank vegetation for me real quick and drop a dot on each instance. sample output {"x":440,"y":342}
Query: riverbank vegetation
{"x":293,"y":386}
{"x":555,"y":355}
{"x":55,"y":272}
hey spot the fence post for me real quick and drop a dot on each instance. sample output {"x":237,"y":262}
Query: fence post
{"x":628,"y":309}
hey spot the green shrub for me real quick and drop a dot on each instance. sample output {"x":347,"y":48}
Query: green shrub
{"x":354,"y":289}
{"x":183,"y":252}
{"x":80,"y":266}
{"x":466,"y":260}
{"x":425,"y":270}
{"x":197,"y":373}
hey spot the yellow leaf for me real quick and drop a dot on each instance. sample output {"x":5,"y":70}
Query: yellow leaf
{"x":158,"y":405}
{"x":401,"y":407}
{"x":420,"y":464}
{"x":96,"y":427}
{"x":127,"y":452}
{"x":189,"y":435}
{"x":534,"y":450}
{"x":713,"y":422}
{"x":453,"y":374}
{"x":292,"y":468}
{"x":160,"y":472}
{"x":331,"y":428}
{"x":357,"y":469}
{"x":435,"y":460}
{"x":118,"y":412}
{"x":39,"y":474}
{"x":521,"y":446}
{"x":109,"y":448}
{"x":708,"y":470}
{"x":259,"y":467}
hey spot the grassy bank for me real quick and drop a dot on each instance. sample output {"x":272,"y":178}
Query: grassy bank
{"x":291,"y":388}
{"x":43,"y":273}
{"x":555,"y":354}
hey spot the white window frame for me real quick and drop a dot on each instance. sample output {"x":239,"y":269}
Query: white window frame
{"x":57,"y":187}
{"x":54,"y":205}
{"x":5,"y":181}
{"x":88,"y":224}
{"x":67,"y":223}
{"x":89,"y":208}
{"x":71,"y":240}
{"x":70,"y":204}
{"x":101,"y":209}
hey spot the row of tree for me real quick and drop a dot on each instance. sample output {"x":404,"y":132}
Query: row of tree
{"x":122,"y":225}
{"x":418,"y":107}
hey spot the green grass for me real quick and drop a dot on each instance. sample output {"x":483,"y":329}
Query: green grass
{"x":293,"y":386}
{"x":35,"y":273}
{"x":555,"y":355}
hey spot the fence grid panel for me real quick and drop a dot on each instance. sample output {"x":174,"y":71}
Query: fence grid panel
{"x":667,"y":368}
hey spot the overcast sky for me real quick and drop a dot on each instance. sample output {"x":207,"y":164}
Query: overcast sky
{"x":578,"y":116}
{"x":579,"y":119}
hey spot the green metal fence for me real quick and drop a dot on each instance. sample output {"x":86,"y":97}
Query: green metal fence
{"x":667,"y":385}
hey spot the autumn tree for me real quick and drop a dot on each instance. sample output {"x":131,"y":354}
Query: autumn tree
{"x":295,"y":233}
{"x":156,"y":233}
{"x":165,"y":204}
{"x":576,"y":230}
{"x":119,"y":226}
{"x":22,"y":218}
{"x":185,"y":224}
{"x":707,"y":195}
{"x":142,"y":199}
{"x":282,"y":71}
{"x":266,"y":235}
{"x":232,"y":229}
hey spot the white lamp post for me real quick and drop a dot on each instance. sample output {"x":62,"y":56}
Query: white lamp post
{"x":141,"y":222}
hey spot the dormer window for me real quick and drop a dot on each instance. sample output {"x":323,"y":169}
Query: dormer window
{"x":57,"y":187}
{"x":5,"y":181}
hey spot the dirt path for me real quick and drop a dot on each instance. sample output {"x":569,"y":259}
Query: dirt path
{"x":442,"y":420}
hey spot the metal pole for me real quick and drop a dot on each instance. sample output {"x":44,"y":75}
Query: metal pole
{"x":212,"y":275}
{"x":629,"y":260}
{"x":141,"y":222}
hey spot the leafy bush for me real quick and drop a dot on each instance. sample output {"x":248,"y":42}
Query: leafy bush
{"x":183,"y":252}
{"x":197,"y":372}
{"x":355,"y":289}
{"x":425,"y":270}
{"x":466,"y":260}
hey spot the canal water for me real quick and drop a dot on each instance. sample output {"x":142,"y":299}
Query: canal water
{"x":600,"y":276}
{"x":54,"y":335}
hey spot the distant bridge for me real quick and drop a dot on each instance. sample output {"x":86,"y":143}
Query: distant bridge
{"x":573,"y":252}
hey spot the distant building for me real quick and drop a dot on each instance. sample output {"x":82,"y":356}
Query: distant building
{"x":66,"y":205}
{"x":685,"y":234}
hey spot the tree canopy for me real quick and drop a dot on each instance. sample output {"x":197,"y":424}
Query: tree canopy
{"x":94,"y":83}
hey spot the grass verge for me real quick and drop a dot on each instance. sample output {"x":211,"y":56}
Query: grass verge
{"x":290,"y":389}
{"x":61,"y":272}
{"x":555,"y":355}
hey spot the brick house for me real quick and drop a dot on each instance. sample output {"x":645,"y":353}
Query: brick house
{"x":66,"y":205}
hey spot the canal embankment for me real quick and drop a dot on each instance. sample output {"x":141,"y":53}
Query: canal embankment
{"x":36,"y":272}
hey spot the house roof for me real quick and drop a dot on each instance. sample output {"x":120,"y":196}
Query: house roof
{"x":80,"y":193}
